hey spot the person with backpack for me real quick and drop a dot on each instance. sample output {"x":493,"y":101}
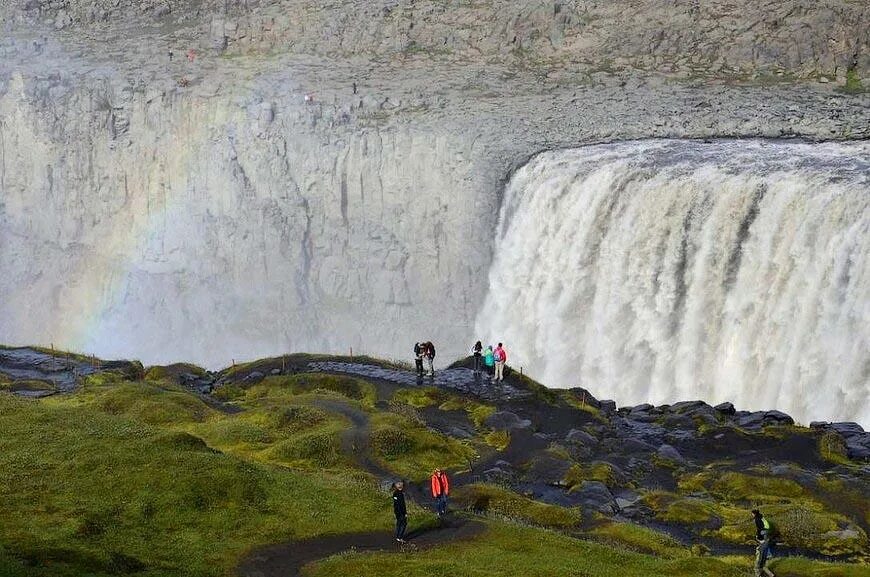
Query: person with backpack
{"x":500,"y":356}
{"x":430,"y":357}
{"x":477,"y":353}
{"x":418,"y":358}
{"x":400,"y":510}
{"x":489,"y":361}
{"x":764,"y":536}
{"x":440,"y":489}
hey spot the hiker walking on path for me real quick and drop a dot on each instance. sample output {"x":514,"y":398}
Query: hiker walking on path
{"x":419,"y":351}
{"x":430,"y":357}
{"x":489,"y":361}
{"x":400,"y":510}
{"x":762,"y":552}
{"x":440,"y":490}
{"x":477,"y":353}
{"x":500,"y":356}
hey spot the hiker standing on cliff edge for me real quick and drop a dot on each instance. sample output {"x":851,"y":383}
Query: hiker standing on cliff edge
{"x":419,"y":351}
{"x":430,"y":357}
{"x":500,"y":359}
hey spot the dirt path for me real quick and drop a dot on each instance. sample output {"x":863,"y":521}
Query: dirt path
{"x":355,"y":441}
{"x":287,"y":559}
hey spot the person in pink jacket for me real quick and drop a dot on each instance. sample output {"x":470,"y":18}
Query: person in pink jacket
{"x":500,"y":356}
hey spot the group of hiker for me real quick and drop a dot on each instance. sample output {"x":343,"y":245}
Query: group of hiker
{"x":440,"y":487}
{"x":492,"y":359}
{"x":424,"y":352}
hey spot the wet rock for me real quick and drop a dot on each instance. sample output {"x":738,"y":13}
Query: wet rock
{"x":578,"y":437}
{"x":750,"y":421}
{"x":778,"y":418}
{"x":725,"y":408}
{"x":254,"y":376}
{"x":596,"y":496}
{"x":506,"y":421}
{"x":607,"y":407}
{"x":670,"y":453}
{"x":584,"y":396}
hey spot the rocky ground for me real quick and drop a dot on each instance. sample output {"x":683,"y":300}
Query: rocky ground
{"x":688,"y":472}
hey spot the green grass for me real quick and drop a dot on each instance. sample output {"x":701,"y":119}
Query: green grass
{"x":637,"y":538}
{"x":87,"y":492}
{"x":510,"y":550}
{"x":412,"y":451}
{"x":495,"y":500}
{"x":299,"y":384}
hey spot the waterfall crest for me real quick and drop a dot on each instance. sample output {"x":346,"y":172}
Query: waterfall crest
{"x":672,"y":270}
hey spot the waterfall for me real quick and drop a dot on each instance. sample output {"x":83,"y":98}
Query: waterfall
{"x":670,"y":270}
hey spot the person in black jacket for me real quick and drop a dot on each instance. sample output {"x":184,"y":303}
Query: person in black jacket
{"x":400,"y":510}
{"x":419,"y":352}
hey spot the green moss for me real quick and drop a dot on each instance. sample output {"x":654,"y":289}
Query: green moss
{"x":740,"y":487}
{"x":419,"y":397}
{"x":498,"y":439}
{"x":598,"y":471}
{"x":494,"y":500}
{"x":853,"y":82}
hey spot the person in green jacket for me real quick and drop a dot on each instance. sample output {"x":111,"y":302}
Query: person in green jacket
{"x":764,"y":536}
{"x":489,"y":361}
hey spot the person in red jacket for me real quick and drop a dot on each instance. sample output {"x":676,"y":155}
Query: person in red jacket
{"x":440,"y":490}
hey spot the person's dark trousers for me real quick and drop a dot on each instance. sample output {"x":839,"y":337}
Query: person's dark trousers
{"x":401,"y":525}
{"x":476,"y":363}
{"x":419,"y":363}
{"x":441,"y":504}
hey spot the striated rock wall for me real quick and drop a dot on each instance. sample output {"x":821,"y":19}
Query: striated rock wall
{"x":321,"y":178}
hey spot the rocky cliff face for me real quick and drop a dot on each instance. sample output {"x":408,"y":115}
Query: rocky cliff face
{"x":181,"y":179}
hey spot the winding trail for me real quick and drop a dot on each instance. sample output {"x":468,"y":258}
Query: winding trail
{"x":287,"y":559}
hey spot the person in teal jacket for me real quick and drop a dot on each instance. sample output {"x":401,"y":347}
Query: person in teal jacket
{"x":489,"y":361}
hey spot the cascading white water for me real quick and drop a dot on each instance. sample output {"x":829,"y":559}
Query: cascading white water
{"x":672,"y":270}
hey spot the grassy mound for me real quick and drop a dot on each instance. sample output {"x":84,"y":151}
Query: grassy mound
{"x":91,"y":492}
{"x":495,"y":500}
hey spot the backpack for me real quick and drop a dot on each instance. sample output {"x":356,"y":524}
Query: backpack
{"x":497,"y":355}
{"x":431,"y":350}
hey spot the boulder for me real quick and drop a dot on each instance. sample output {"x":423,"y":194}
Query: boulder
{"x":607,"y":407}
{"x":670,"y":453}
{"x":596,"y":496}
{"x":751,"y":420}
{"x":777,"y":418}
{"x":690,"y":407}
{"x":578,"y":437}
{"x":506,"y":421}
{"x":584,"y":396}
{"x":725,"y":408}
